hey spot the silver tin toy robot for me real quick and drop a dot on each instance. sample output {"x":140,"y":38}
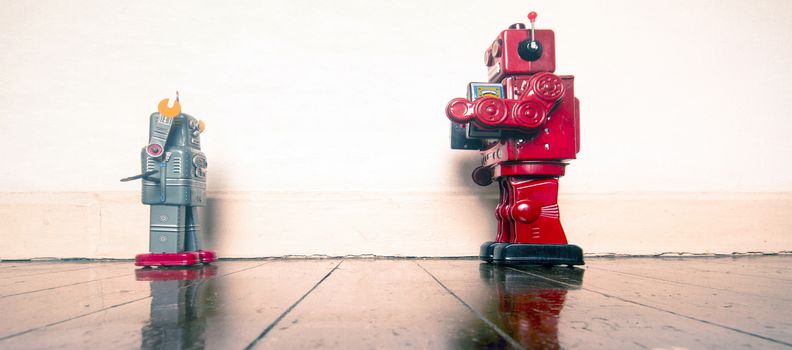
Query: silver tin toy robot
{"x":173,"y":172}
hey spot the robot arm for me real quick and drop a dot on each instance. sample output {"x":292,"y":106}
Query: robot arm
{"x":144,"y":176}
{"x":160,"y":128}
{"x":538,"y":96}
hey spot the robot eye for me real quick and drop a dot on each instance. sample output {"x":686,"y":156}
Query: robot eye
{"x":530,"y":50}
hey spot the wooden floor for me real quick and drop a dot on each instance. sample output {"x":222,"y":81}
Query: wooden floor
{"x":626,"y":303}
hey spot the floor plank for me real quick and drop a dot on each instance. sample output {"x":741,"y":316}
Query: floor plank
{"x":380,"y":304}
{"x":33,"y":311}
{"x":32,"y":269}
{"x":251,"y":302}
{"x":695,"y":303}
{"x":752,"y":314}
{"x":551,"y":308}
{"x":43,"y":281}
{"x":708,"y":274}
{"x":5,"y":265}
{"x":226,"y":307}
{"x":758,"y":267}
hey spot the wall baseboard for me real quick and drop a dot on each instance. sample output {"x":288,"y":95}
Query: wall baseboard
{"x":256,"y":224}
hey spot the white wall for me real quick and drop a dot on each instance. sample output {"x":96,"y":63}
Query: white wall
{"x":326,"y":132}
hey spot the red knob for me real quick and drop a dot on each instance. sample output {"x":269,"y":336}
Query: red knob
{"x":532,"y":16}
{"x":154,"y":150}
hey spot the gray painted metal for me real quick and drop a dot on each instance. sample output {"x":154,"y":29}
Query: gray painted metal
{"x":174,"y":184}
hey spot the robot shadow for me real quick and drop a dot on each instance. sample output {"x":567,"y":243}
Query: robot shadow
{"x":210,"y":214}
{"x":487,"y":197}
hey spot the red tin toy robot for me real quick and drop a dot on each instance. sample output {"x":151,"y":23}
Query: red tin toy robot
{"x":525,"y":123}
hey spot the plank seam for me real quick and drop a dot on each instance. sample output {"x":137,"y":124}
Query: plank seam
{"x":115,"y":306}
{"x":290,"y":308}
{"x":63,"y":286}
{"x":684,"y":284}
{"x":48,"y":272}
{"x":489,"y":323}
{"x":659,"y":309}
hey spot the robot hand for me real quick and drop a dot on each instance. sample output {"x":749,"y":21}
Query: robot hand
{"x":145,"y":176}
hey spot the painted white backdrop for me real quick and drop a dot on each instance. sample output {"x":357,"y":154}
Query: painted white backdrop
{"x":326,"y":132}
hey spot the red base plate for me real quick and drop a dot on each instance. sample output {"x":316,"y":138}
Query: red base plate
{"x":175,"y":259}
{"x":207,"y":256}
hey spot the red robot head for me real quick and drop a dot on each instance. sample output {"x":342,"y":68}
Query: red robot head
{"x":518,"y":50}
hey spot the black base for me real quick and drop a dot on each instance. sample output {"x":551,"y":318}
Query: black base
{"x":531,"y":254}
{"x":486,"y":251}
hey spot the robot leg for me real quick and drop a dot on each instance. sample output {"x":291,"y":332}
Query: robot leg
{"x":193,"y":231}
{"x":192,"y":239}
{"x":504,"y":223}
{"x":536,"y":233}
{"x":166,"y":238}
{"x":167,"y":230}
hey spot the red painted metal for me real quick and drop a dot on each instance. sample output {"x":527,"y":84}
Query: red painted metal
{"x":175,"y":259}
{"x":167,"y":259}
{"x":532,"y":16}
{"x":528,"y":212}
{"x":557,"y":139}
{"x":537,"y":94}
{"x":540,"y":122}
{"x":535,"y":169}
{"x":509,"y":63}
{"x":207,"y":256}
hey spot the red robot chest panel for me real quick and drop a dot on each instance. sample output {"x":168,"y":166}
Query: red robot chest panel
{"x":558,"y":139}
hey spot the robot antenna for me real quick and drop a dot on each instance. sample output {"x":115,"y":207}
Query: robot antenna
{"x":532,"y":17}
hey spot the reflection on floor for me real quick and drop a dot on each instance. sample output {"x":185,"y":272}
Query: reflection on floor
{"x":654,"y":303}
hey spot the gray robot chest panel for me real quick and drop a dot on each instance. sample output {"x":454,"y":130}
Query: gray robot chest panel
{"x":182,"y":169}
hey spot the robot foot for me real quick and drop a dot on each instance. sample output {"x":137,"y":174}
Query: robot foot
{"x":537,"y":254}
{"x":487,"y":250}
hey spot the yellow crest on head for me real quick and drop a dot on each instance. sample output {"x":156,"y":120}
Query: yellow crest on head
{"x":169,"y":112}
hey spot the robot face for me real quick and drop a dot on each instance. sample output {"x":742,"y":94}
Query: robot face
{"x":514,"y":53}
